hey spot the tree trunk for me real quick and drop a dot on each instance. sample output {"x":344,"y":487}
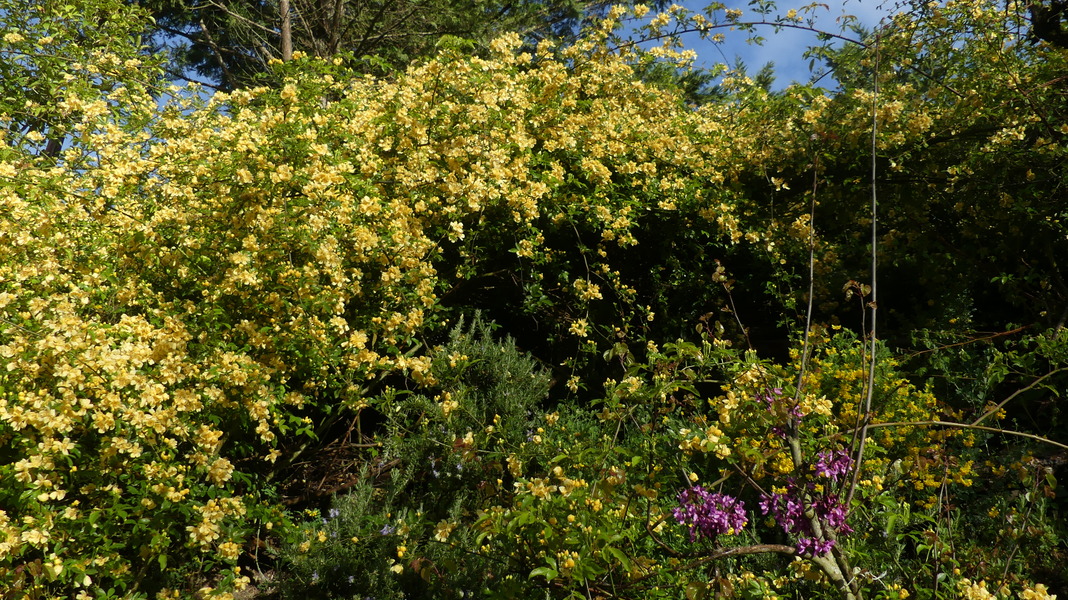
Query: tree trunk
{"x":287,"y":31}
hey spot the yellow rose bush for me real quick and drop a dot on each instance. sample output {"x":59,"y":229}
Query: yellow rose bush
{"x":198,"y":292}
{"x":189,"y":288}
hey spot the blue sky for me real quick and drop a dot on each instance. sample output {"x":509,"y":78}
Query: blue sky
{"x":786,"y":47}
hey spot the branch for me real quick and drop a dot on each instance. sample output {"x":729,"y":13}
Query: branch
{"x":968,"y":426}
{"x":859,"y":461}
{"x":215,"y":50}
{"x":242,"y":18}
{"x":1017,"y":393}
{"x":971,"y":341}
{"x":739,"y":551}
{"x":286,"y":30}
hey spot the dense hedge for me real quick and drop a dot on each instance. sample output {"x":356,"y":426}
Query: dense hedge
{"x":203,"y":297}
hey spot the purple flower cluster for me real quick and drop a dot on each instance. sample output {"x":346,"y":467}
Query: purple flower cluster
{"x":789,"y":513}
{"x":709,"y":514}
{"x":770,"y":396}
{"x":833,"y":464}
{"x":788,"y":510}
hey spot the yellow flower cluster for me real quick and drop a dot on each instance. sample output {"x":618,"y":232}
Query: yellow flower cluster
{"x":709,"y":440}
{"x":1038,"y":592}
{"x":212,"y":515}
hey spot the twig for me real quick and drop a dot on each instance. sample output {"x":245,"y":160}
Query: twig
{"x":968,"y":426}
{"x":971,"y":341}
{"x":739,"y":551}
{"x":811,"y":279}
{"x":874,"y":270}
{"x":750,"y":24}
{"x":1017,"y":393}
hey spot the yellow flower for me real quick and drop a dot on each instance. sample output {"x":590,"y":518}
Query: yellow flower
{"x":448,"y":405}
{"x":229,"y":550}
{"x":1039,"y":592}
{"x":220,"y":471}
{"x":579,"y":328}
{"x":443,"y":530}
{"x":573,"y":383}
{"x":515,"y":466}
{"x":974,"y":590}
{"x":35,"y":537}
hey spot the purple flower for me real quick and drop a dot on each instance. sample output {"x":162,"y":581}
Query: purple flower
{"x":709,"y":514}
{"x":833,"y":464}
{"x":789,"y":512}
{"x":832,"y":512}
{"x":772,"y":396}
{"x":386,"y":530}
{"x":813,"y":547}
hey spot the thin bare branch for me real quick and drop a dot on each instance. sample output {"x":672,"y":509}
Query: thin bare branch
{"x":873,"y":303}
{"x":1017,"y":393}
{"x":968,"y":426}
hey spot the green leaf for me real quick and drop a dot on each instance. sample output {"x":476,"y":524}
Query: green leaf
{"x":696,"y":590}
{"x":547,"y":572}
{"x":617,"y":554}
{"x":890,"y":522}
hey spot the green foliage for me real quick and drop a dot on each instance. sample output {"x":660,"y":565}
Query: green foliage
{"x":59,"y":60}
{"x":406,"y":527}
{"x":205,"y":297}
{"x":969,"y":158}
{"x":567,"y":518}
